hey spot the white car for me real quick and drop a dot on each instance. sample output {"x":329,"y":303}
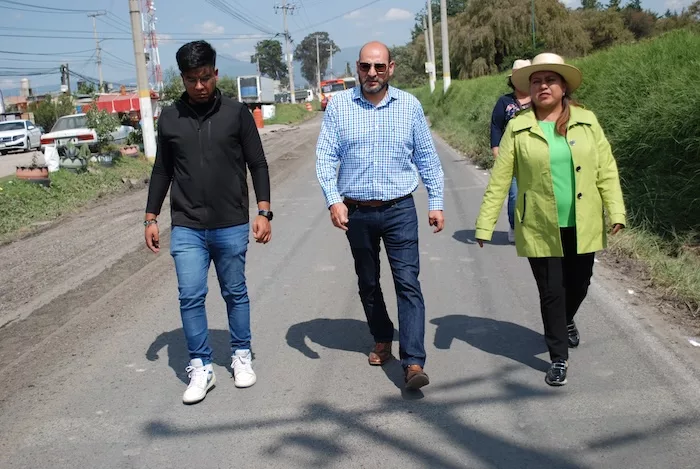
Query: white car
{"x":19,"y":135}
{"x":74,"y":129}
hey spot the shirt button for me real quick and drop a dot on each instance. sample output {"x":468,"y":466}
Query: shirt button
{"x":579,"y":196}
{"x":578,"y":168}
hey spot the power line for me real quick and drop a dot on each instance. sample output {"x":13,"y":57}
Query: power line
{"x":46,"y":53}
{"x":188,"y":38}
{"x":42,"y":8}
{"x":224,"y":7}
{"x":321,"y":23}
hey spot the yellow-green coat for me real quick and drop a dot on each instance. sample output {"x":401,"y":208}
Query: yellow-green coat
{"x":524,"y":153}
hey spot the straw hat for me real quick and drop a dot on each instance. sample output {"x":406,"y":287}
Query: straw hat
{"x":551,"y":63}
{"x":518,"y":64}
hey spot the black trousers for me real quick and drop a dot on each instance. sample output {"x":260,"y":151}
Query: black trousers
{"x":563,"y":284}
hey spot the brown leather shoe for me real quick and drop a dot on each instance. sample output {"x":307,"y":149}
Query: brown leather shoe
{"x":416,"y":377}
{"x":381,"y":354}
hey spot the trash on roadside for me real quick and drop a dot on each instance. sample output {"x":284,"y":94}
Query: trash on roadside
{"x":51,"y":158}
{"x":631,"y":292}
{"x":694,"y":341}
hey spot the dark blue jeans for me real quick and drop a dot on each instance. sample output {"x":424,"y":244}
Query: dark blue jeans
{"x":397,"y":226}
{"x":193,"y":250}
{"x":512,"y":200}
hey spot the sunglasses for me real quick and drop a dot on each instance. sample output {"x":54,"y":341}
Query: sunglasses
{"x":366,"y":67}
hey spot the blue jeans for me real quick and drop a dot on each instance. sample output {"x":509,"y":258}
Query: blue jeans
{"x":397,"y":225}
{"x":512,"y":199}
{"x":193,"y":250}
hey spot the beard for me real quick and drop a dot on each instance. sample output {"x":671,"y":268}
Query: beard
{"x":375,"y":87}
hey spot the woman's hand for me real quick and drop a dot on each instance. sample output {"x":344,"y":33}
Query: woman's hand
{"x":616,"y":228}
{"x":480,"y":242}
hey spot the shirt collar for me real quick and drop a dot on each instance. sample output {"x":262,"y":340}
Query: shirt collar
{"x":391,"y":95}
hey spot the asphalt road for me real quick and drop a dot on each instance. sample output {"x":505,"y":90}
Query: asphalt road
{"x":10,"y":161}
{"x":93,"y":354}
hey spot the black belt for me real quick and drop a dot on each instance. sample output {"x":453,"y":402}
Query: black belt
{"x":375,"y":203}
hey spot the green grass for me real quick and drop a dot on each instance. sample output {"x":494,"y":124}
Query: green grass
{"x":293,"y":113}
{"x":23,"y":204}
{"x":645,"y":97}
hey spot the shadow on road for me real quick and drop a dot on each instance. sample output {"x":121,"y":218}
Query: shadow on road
{"x":492,"y":336}
{"x":178,"y":358}
{"x":321,"y":435}
{"x":348,"y":335}
{"x":500,"y":238}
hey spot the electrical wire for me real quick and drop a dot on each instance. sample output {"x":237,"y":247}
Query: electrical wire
{"x":224,"y":7}
{"x":321,"y":23}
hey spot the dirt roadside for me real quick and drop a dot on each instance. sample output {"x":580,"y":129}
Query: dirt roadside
{"x":93,"y":250}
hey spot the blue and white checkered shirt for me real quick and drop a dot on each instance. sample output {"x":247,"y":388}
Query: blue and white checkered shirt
{"x":381,"y":150}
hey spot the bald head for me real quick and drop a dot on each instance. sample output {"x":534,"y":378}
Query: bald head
{"x":375,"y":50}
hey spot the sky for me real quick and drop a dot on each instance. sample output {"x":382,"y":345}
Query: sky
{"x":66,"y":36}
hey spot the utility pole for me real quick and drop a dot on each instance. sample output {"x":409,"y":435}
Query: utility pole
{"x":331,"y":50}
{"x":287,"y":57}
{"x":533,"y":27}
{"x":97,"y":44}
{"x":431,"y":45}
{"x":149,"y":135}
{"x":446,"y":74}
{"x":318,"y":65}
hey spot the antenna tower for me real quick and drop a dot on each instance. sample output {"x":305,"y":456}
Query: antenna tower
{"x":150,"y":39}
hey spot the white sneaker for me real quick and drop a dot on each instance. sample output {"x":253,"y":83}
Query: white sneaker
{"x":243,"y":374}
{"x":202,"y":379}
{"x":511,"y":235}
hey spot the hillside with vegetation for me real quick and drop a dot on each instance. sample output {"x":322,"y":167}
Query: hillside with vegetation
{"x":645,"y":96}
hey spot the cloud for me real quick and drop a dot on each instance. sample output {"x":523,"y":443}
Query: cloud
{"x":571,"y":3}
{"x":243,"y":55}
{"x":164,"y":39}
{"x":353,"y":15}
{"x":676,"y":5}
{"x":8,"y":83}
{"x":209,"y":27}
{"x":397,"y":14}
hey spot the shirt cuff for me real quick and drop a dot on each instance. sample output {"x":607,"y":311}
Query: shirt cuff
{"x":434,"y":204}
{"x":333,"y":199}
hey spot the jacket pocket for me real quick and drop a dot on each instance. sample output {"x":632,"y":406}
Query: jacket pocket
{"x":522,"y":216}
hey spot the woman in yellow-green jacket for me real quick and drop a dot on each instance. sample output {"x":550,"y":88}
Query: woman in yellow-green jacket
{"x":567,"y":181}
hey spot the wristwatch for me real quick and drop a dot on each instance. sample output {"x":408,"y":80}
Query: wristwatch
{"x":265,"y":213}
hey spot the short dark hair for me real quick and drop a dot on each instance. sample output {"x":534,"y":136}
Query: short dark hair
{"x":195,"y":54}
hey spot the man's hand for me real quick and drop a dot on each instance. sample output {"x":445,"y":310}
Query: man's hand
{"x":262,"y":230}
{"x":339,"y":216}
{"x":436,"y":219}
{"x":152,"y":235}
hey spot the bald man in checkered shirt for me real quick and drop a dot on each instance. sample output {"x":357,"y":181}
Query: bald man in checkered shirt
{"x":373,"y":148}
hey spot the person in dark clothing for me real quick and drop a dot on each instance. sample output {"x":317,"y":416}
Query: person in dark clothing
{"x":505,"y":109}
{"x":205,"y":143}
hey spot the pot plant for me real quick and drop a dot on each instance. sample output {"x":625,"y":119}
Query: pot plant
{"x":73,"y":159}
{"x":35,"y":172}
{"x":103,"y":123}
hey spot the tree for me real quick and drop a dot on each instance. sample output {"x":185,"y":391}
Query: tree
{"x":172,"y":86}
{"x":228,"y":87}
{"x":641,"y":23}
{"x":605,"y":27}
{"x":635,"y":5}
{"x":46,"y":112}
{"x":271,"y":60}
{"x":305,"y":53}
{"x":86,"y":88}
{"x":454,"y":7}
{"x":407,"y":72}
{"x":590,"y":4}
{"x":614,"y":5}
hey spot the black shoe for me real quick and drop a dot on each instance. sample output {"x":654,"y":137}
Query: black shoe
{"x":556,"y":376}
{"x":574,"y":337}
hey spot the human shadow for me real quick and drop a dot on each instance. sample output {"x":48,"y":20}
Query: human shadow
{"x":499,"y":238}
{"x":349,"y":335}
{"x":492,"y":336}
{"x":178,"y":357}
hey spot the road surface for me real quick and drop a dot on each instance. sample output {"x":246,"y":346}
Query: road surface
{"x":93,"y":354}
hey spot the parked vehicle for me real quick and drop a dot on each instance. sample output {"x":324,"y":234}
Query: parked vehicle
{"x":20,"y":135}
{"x":331,"y":87}
{"x":73,"y":129}
{"x":254,"y":89}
